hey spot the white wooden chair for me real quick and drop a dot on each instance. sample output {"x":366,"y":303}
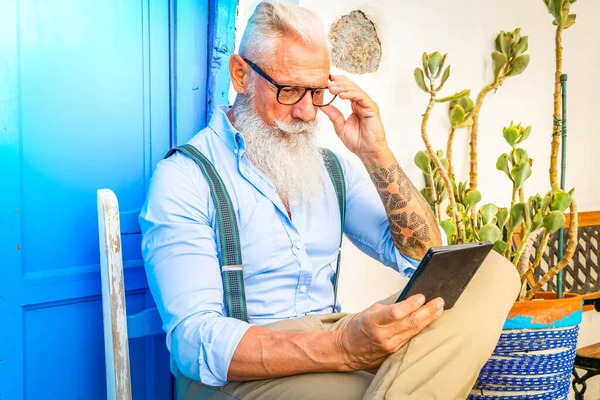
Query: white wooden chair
{"x":118,"y":327}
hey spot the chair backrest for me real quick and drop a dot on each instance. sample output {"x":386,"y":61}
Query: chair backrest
{"x":582,"y":274}
{"x":118,"y":327}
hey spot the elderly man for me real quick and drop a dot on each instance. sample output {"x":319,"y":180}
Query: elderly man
{"x":292,"y":346}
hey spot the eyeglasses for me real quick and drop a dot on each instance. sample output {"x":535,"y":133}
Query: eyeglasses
{"x":288,"y":94}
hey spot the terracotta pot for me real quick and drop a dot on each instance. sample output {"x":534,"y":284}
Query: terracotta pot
{"x":545,"y":311}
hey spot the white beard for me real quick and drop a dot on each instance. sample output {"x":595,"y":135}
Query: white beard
{"x":286,"y":153}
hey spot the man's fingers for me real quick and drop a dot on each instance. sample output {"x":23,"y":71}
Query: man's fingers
{"x":356,"y":95}
{"x":336,"y":117}
{"x":431,"y":318}
{"x":341,"y":89}
{"x":336,"y":87}
{"x":416,"y":321}
{"x":341,"y":80}
{"x":345,"y":89}
{"x":394,"y":313}
{"x":343,"y":83}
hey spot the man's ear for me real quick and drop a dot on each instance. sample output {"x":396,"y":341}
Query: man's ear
{"x":238,"y":70}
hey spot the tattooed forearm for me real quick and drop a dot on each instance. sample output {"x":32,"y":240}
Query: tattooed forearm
{"x":412,"y":224}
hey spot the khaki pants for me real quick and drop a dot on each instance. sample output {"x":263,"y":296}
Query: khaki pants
{"x":442,"y":362}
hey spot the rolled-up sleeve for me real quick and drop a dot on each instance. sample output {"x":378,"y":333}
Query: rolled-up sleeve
{"x":184,"y":276}
{"x":367,"y":223}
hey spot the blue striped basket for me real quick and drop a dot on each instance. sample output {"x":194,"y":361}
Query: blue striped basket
{"x":534,"y":356}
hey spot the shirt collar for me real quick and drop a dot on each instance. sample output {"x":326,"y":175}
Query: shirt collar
{"x":221,"y":125}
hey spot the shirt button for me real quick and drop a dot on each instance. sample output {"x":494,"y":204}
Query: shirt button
{"x":302,"y":289}
{"x":298,"y":245}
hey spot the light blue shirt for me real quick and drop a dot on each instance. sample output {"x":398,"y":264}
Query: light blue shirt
{"x":288,"y":263}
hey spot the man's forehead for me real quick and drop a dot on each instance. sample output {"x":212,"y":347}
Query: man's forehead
{"x":308,"y":75}
{"x":295,"y":63}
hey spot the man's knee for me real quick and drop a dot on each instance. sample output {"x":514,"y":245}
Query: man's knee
{"x":487,"y":299}
{"x":500,"y":278}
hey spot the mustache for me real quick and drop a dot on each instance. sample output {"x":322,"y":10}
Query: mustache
{"x":297,"y":127}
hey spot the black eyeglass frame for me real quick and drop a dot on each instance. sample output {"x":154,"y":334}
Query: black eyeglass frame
{"x":280,"y":86}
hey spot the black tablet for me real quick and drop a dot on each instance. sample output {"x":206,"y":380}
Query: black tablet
{"x":446,"y":271}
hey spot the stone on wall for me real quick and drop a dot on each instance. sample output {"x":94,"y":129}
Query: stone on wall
{"x":355,"y":44}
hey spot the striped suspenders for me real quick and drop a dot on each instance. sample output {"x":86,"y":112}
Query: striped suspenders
{"x":230,"y":248}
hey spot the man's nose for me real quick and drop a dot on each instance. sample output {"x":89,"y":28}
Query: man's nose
{"x":304,"y":109}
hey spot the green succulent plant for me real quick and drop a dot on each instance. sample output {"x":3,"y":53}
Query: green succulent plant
{"x":508,"y":57}
{"x":466,"y":219}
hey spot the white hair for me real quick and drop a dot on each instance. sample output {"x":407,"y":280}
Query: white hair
{"x":272,"y":21}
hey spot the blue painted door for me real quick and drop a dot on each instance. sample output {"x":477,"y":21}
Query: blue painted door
{"x":92,"y":94}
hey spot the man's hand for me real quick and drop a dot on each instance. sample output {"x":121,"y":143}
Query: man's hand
{"x":381,"y":330}
{"x":362,"y":132}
